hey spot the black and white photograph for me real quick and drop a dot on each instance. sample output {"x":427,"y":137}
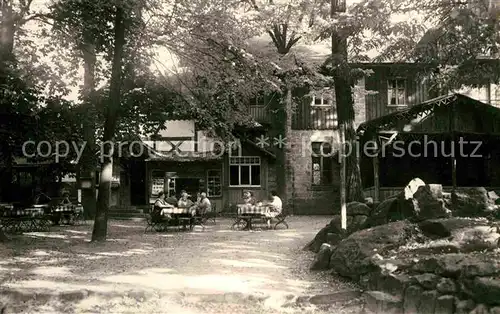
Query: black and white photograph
{"x":250,"y":156}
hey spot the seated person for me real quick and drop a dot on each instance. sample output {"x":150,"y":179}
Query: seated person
{"x":248,"y":198}
{"x":204,"y":205}
{"x":160,"y":204}
{"x":172,"y":200}
{"x":65,"y":200}
{"x":275,"y":206}
{"x":184,"y":201}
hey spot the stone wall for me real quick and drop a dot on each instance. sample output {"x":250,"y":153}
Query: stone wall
{"x":310,"y":199}
{"x":412,"y":254}
{"x":444,"y":284}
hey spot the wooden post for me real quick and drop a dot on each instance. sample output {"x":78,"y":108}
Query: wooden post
{"x":376,"y":182}
{"x":453,"y":174}
{"x":339,"y":6}
{"x":453,"y":157}
{"x":343,"y":205}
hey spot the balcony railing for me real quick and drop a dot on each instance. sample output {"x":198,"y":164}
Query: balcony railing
{"x":260,"y":113}
{"x":306,"y":117}
{"x":309,"y":117}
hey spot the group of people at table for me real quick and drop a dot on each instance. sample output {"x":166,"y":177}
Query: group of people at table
{"x":201,"y":206}
{"x":269,"y":208}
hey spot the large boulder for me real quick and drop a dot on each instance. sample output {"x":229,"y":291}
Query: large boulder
{"x":412,"y":187}
{"x":352,"y":257}
{"x":387,"y":211}
{"x":417,"y":202}
{"x":471,"y":202}
{"x":459,"y":266}
{"x":477,"y":238}
{"x":427,"y":203}
{"x":323,"y":236}
{"x":322,"y":259}
{"x":358,"y":222}
{"x":357,"y":208}
{"x":357,"y":215}
{"x":444,"y":228}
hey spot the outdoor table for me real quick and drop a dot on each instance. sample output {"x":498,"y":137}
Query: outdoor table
{"x":6,"y":209}
{"x":17,"y":219}
{"x":33,"y":211}
{"x":180,"y":213}
{"x":247,"y":212}
{"x":65,"y":210}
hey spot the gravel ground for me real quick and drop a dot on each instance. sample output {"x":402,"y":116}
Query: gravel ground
{"x":212,"y":271}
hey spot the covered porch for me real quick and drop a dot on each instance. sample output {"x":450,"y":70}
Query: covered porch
{"x":223,"y":175}
{"x":451,"y":140}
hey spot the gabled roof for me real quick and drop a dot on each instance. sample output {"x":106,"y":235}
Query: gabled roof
{"x":418,"y":113}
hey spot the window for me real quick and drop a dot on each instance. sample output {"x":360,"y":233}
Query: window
{"x":244,"y":171}
{"x":262,"y":100}
{"x":157,"y":182}
{"x":396,"y":92}
{"x":322,"y":163}
{"x":214,"y":183}
{"x":321,"y":101}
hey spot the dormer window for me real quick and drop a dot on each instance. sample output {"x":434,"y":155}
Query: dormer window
{"x":396,"y":92}
{"x":322,"y":99}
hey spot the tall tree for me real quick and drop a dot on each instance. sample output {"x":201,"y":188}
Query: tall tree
{"x":356,"y":31}
{"x":99,"y":232}
{"x":286,"y":23}
{"x":89,"y":22}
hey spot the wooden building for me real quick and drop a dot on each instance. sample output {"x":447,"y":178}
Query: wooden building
{"x":451,"y":140}
{"x":183,"y":158}
{"x":389,"y":89}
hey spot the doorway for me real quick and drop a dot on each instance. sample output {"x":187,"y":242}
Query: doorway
{"x":191,"y":185}
{"x":137,"y":182}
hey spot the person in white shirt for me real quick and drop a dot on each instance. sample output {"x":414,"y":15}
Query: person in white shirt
{"x":160,"y":204}
{"x":204,"y":205}
{"x":275,"y":206}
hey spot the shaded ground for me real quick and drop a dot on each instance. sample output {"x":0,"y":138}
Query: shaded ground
{"x":211,"y":271}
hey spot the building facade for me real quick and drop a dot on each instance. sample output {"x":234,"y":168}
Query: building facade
{"x":391,"y":87}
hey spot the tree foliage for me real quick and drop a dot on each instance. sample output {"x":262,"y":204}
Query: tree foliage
{"x":462,"y":42}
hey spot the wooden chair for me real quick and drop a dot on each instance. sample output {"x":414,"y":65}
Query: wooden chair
{"x":211,"y":215}
{"x":197,"y":220}
{"x":281,"y":219}
{"x":155,"y":221}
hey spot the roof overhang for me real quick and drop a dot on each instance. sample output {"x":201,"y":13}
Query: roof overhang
{"x":405,"y":120}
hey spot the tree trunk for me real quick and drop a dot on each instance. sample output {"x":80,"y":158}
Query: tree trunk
{"x":88,"y":163}
{"x":7,"y":30}
{"x":354,"y":187}
{"x":101,"y":218}
{"x":3,"y":237}
{"x":6,"y":54}
{"x":345,"y":110}
{"x":288,"y":171}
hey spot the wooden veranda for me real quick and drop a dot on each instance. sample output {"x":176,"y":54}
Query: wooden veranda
{"x":450,"y":140}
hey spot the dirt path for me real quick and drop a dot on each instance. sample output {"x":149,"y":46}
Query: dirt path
{"x":211,"y":271}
